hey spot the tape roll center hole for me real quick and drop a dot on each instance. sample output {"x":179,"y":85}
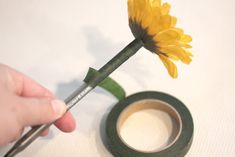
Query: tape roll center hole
{"x":149,"y":126}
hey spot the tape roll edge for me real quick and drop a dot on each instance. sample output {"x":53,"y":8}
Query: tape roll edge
{"x":178,"y":149}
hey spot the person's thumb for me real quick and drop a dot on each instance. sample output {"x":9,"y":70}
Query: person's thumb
{"x":36,"y":111}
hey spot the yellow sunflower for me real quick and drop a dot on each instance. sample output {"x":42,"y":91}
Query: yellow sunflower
{"x":150,"y":21}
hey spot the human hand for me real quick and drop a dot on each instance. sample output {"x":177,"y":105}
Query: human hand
{"x":23,"y":103}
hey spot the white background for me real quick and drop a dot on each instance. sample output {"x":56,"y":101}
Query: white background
{"x":56,"y":41}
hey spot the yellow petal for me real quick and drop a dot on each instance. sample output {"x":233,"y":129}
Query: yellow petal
{"x":189,"y":53}
{"x":186,"y":38}
{"x":131,"y":12}
{"x":168,"y":35}
{"x":165,"y":9}
{"x":171,"y":56}
{"x":135,"y":9}
{"x":185,"y":45}
{"x":154,"y":27}
{"x":155,"y":3}
{"x":165,"y":21}
{"x":140,"y":9}
{"x":177,"y":51}
{"x":152,"y":31}
{"x":146,"y":22}
{"x":179,"y":30}
{"x":173,"y":21}
{"x":173,"y":43}
{"x":155,"y":12}
{"x":147,"y":19}
{"x":170,"y":66}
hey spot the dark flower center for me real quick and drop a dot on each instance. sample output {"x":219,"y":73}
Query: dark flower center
{"x":139,"y":32}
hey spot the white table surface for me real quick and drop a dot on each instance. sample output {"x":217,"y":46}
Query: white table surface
{"x":56,"y":41}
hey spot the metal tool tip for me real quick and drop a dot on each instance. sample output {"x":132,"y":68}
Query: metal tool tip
{"x":12,"y":152}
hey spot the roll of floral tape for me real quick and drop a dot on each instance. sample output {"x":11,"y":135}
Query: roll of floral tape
{"x":182,"y":139}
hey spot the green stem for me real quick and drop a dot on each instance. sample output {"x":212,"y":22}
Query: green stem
{"x":116,"y":61}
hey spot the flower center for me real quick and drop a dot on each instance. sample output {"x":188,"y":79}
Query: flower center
{"x":142,"y":33}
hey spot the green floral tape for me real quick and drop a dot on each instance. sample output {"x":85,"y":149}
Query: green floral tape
{"x":184,"y":127}
{"x":181,"y":141}
{"x":108,"y":84}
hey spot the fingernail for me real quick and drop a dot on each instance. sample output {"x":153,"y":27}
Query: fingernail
{"x":59,"y":107}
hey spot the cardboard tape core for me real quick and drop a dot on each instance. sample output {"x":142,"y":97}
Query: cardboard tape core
{"x":156,"y":105}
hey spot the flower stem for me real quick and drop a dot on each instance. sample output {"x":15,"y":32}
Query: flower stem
{"x":116,"y":61}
